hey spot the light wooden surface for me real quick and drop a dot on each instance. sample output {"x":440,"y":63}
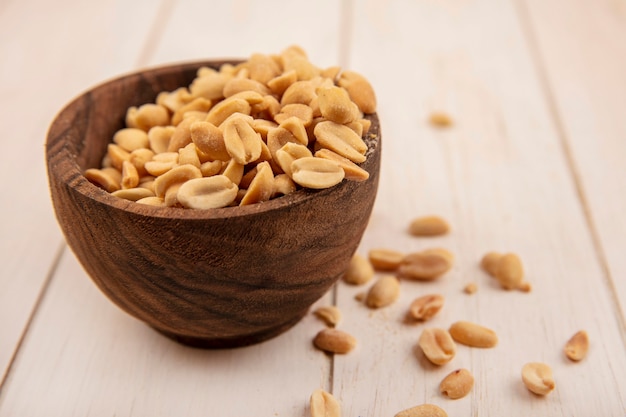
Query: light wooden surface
{"x":534,"y":163}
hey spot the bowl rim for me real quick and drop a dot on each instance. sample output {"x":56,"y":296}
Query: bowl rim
{"x":74,"y":177}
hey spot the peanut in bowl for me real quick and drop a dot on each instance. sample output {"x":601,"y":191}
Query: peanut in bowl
{"x":213,"y":278}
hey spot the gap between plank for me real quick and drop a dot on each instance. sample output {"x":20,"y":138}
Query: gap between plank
{"x":155,"y":33}
{"x":542,"y":75}
{"x":42,"y":293}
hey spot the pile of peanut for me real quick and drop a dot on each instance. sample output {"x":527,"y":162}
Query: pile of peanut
{"x":437,"y":345}
{"x":242,"y":134}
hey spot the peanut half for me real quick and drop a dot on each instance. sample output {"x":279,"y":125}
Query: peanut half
{"x":457,"y":384}
{"x":437,"y":345}
{"x":359,"y":272}
{"x":472,"y":334}
{"x":429,"y":226}
{"x":426,"y":265}
{"x":323,"y":404}
{"x":509,"y":271}
{"x":424,"y":410}
{"x":334,"y":341}
{"x":385,"y":259}
{"x":577,"y":346}
{"x":425,"y":307}
{"x":538,"y":378}
{"x":383,"y":293}
{"x":331,"y":315}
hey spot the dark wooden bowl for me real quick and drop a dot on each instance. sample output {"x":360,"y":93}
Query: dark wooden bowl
{"x":209,"y":278}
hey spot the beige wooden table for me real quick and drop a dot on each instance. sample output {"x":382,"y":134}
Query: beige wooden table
{"x":534,"y":164}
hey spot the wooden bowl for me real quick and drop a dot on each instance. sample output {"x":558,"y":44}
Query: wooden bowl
{"x":208,"y":278}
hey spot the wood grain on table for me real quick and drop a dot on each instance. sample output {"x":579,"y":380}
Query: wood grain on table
{"x":534,"y":163}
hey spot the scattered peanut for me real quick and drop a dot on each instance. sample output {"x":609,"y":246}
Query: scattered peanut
{"x":359,"y":272}
{"x":426,"y":265}
{"x":440,"y":119}
{"x":429,"y":226}
{"x":472,"y":334}
{"x":383,"y":293}
{"x":331,"y":315}
{"x":425,"y":307}
{"x":577,"y":346}
{"x":457,"y":384}
{"x":385,"y":259}
{"x":323,"y":404}
{"x":231,"y":119}
{"x":424,"y":410}
{"x":538,"y":378}
{"x":489,"y":262}
{"x":470,"y":288}
{"x":334,"y":341}
{"x":437,"y":345}
{"x":509,"y":271}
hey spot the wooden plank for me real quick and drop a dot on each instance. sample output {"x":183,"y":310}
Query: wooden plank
{"x":51,"y":52}
{"x":84,"y":357}
{"x":582,"y":55}
{"x":500,"y":177}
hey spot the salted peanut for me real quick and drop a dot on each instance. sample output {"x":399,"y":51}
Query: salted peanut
{"x":288,"y":153}
{"x":161,"y":163}
{"x":130,"y":176}
{"x":159,"y":138}
{"x":147,"y":116}
{"x":170,"y":199}
{"x":152,"y":201}
{"x":147,"y":182}
{"x":261,"y":187}
{"x":334,"y":341}
{"x":173,"y":100}
{"x":428,"y":226}
{"x":366,"y":123}
{"x":283,"y":185}
{"x":457,"y":384}
{"x":425,"y":307}
{"x":269,"y":108}
{"x":323,"y":404}
{"x":263,"y":126}
{"x":577,"y":346}
{"x":359,"y":272}
{"x":247,"y":178}
{"x":262,"y":68}
{"x":359,"y":89}
{"x":252,"y":97}
{"x":299,"y":62}
{"x":340,"y":139}
{"x":225,"y":108}
{"x":242,"y":142}
{"x":470,"y":288}
{"x":525,"y":286}
{"x":234,"y":171}
{"x":301,"y":111}
{"x":237,"y":85}
{"x":299,"y":92}
{"x":130,"y":139}
{"x":440,"y":119}
{"x":316,"y":173}
{"x":351,"y":170}
{"x":117,"y":156}
{"x":207,"y":193}
{"x":335,"y":105}
{"x":210,"y":168}
{"x":426,"y":265}
{"x":133,"y":194}
{"x":385,"y":259}
{"x":200,"y":104}
{"x":384,"y":292}
{"x":331,"y":315}
{"x":139,"y":157}
{"x":281,"y":82}
{"x":209,"y":85}
{"x":509,"y":271}
{"x":295,"y":126}
{"x":209,"y":139}
{"x":277,"y":138}
{"x":109,"y":179}
{"x":489,"y":262}
{"x":538,"y":378}
{"x":177,"y":175}
{"x":424,"y":410}
{"x":437,"y":345}
{"x":356,"y":127}
{"x":472,"y":334}
{"x":182,"y":135}
{"x":189,"y":155}
{"x":331,"y":72}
